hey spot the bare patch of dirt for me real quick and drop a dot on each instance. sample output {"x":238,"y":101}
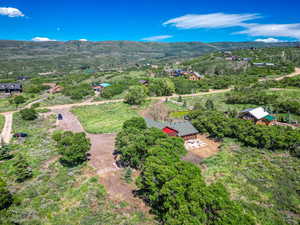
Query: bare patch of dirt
{"x":197,"y":155}
{"x":47,"y":163}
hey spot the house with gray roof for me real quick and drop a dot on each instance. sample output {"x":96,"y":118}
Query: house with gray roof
{"x":183,"y":129}
{"x":10,"y":87}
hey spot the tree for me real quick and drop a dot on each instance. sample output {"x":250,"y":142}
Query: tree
{"x":19,"y":100}
{"x":179,"y":98}
{"x":209,"y":105}
{"x":22,"y":169}
{"x":28,"y":114}
{"x":4,"y":152}
{"x":6,"y":198}
{"x":162,"y":87}
{"x":73,"y":147}
{"x":136,"y":95}
{"x":135,"y":122}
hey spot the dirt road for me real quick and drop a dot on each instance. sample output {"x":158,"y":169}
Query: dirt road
{"x":102,"y":160}
{"x":6,"y":132}
{"x":295,"y":73}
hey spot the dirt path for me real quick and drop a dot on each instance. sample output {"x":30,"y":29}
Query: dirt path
{"x":7,"y":129}
{"x":296,"y":73}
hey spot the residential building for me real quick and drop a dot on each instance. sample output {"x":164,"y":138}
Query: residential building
{"x":11,"y":87}
{"x":195,"y":76}
{"x":99,"y":87}
{"x":183,"y":129}
{"x":258,"y":116}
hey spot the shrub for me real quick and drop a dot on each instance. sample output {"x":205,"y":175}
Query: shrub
{"x":35,"y":105}
{"x":73,"y":147}
{"x":28,"y":114}
{"x":19,"y":100}
{"x":6,"y":198}
{"x":4,"y":152}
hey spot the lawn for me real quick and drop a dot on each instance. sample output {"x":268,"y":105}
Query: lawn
{"x":265,"y":182}
{"x":104,"y":118}
{"x":57,"y":195}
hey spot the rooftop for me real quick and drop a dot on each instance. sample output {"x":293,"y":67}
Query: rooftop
{"x":183,"y":128}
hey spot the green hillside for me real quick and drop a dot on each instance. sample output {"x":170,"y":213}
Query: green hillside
{"x":23,"y":57}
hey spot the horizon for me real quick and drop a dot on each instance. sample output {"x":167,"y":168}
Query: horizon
{"x":150,"y":21}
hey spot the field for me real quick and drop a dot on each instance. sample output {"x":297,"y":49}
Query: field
{"x":218,"y":100}
{"x":56,"y":194}
{"x":265,"y":182}
{"x":104,"y":118}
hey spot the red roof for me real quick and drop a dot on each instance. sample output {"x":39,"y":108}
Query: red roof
{"x":168,"y":130}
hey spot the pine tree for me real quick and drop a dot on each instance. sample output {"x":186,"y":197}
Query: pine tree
{"x":23,"y":171}
{"x":209,"y":105}
{"x":5,"y":196}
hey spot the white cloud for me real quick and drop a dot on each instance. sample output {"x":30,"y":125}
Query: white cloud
{"x":269,"y":40}
{"x":157,"y":38}
{"x":40,"y":39}
{"x":275,"y":30}
{"x":213,"y":20}
{"x":10,"y":12}
{"x":83,"y":39}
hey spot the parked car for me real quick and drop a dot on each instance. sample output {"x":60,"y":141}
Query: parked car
{"x":18,"y":135}
{"x":59,"y":116}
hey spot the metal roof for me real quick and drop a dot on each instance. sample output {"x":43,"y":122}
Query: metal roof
{"x":183,"y":128}
{"x":258,"y":113}
{"x":8,"y":86}
{"x":105,"y":84}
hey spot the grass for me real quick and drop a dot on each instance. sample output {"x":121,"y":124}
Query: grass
{"x":287,"y":93}
{"x":218,"y":100}
{"x":264,"y":182}
{"x":57,"y":195}
{"x":2,"y":121}
{"x":104,"y":118}
{"x":58,"y":99}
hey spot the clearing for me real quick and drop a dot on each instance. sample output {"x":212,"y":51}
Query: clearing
{"x":104,"y":118}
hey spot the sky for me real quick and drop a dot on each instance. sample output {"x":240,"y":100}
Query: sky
{"x":150,"y":20}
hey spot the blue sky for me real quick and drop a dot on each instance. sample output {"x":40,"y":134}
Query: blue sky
{"x":150,"y":20}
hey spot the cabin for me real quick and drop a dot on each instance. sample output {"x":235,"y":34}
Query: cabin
{"x":11,"y":87}
{"x":183,"y":129}
{"x":144,"y":82}
{"x":99,"y":87}
{"x":195,"y":76}
{"x":258,"y":116}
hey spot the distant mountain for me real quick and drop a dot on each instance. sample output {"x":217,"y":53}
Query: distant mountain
{"x":25,"y":57}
